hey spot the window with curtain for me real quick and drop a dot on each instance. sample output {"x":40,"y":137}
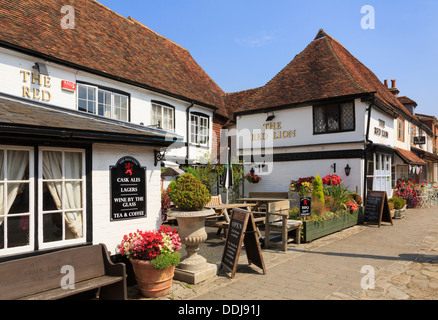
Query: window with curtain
{"x":162,"y":117}
{"x":16,"y":205}
{"x":62,"y":196}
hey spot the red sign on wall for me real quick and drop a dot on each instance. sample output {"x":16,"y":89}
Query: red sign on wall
{"x":68,"y":85}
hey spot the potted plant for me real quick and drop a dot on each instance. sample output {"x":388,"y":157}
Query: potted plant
{"x":253,"y":178}
{"x":190,"y":196}
{"x":153,"y":255}
{"x":399,"y":206}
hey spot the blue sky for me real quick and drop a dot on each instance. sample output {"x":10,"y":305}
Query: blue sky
{"x":242,"y":44}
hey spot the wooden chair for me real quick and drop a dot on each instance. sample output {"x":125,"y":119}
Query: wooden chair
{"x":218,"y":221}
{"x":277,"y":220}
{"x":215,"y":201}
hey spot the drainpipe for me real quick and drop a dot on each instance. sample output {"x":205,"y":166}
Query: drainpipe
{"x":188,"y":132}
{"x":368,"y":146}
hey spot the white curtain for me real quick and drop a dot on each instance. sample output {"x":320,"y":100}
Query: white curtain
{"x":17,"y":163}
{"x":52,"y":170}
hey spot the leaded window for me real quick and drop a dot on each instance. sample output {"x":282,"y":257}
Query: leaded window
{"x":336,"y":117}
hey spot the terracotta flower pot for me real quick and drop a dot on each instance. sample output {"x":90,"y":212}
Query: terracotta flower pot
{"x":152,"y":282}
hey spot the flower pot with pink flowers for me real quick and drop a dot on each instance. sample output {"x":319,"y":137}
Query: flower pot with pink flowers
{"x":153,"y":255}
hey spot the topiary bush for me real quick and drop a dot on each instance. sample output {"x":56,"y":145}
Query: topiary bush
{"x":399,"y":202}
{"x":189,"y":193}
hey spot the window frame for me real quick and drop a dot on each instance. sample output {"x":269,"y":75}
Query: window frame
{"x":401,"y":125}
{"x":64,"y":242}
{"x":101,"y":89}
{"x":163,"y":105}
{"x":200,"y":116}
{"x":340,"y":120}
{"x":31,"y":246}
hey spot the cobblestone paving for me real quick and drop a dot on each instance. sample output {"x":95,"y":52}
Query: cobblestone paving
{"x":404,"y":258}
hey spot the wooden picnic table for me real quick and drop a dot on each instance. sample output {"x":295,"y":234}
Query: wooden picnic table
{"x":259,"y":202}
{"x":223,"y":208}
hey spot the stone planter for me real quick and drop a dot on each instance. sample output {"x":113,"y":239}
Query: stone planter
{"x":191,"y":228}
{"x":398,"y":214}
{"x":313,"y":230}
{"x":152,"y":282}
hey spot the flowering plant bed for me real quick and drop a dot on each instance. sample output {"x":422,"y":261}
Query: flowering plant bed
{"x":331,"y":180}
{"x":315,"y":229}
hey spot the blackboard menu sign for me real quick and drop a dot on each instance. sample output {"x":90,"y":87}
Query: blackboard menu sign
{"x":376,"y":208}
{"x":242,"y":230}
{"x":128,"y":189}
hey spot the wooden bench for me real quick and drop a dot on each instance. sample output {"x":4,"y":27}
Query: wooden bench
{"x":43,"y":277}
{"x":277,"y":220}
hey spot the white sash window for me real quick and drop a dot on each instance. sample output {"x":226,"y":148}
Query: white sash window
{"x":16,"y":200}
{"x":62,"y":197}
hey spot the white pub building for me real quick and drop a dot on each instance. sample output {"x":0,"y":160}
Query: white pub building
{"x":326,"y":113}
{"x":87,"y":113}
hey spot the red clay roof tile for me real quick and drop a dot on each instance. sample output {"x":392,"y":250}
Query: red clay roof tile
{"x":324,"y":69}
{"x":108,"y":43}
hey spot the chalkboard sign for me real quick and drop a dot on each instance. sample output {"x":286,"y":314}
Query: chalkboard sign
{"x":305,"y":206}
{"x":242,"y":230}
{"x":128,"y":189}
{"x":376,"y":208}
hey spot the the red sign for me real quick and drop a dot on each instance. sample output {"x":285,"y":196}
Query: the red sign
{"x":68,"y":85}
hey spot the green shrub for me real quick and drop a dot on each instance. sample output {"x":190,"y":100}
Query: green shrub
{"x":318,"y":200}
{"x":294,"y":213}
{"x":189,"y":193}
{"x":399,"y":202}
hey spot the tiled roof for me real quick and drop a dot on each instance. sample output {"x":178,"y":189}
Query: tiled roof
{"x":102,"y":41}
{"x":325,"y":69}
{"x":410,"y":157}
{"x":406,"y":100}
{"x":23,"y":116}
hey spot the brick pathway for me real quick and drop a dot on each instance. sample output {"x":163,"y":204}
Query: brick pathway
{"x":404,"y":258}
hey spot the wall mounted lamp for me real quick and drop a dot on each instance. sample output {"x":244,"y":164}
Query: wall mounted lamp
{"x":347,"y":170}
{"x":270,"y":117}
{"x":41,"y":67}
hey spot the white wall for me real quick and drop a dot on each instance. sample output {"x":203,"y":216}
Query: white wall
{"x":283,"y":172}
{"x":300,"y":120}
{"x":112,"y":232}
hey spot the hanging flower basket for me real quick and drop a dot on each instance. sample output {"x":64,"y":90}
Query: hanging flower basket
{"x":253,"y":178}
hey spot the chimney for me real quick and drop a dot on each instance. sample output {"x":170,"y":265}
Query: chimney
{"x":393,"y":88}
{"x":385,"y":83}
